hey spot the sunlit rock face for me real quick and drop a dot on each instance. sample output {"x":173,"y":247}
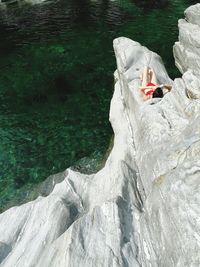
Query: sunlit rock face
{"x":142,"y":208}
{"x":187,"y":50}
{"x":84,"y":220}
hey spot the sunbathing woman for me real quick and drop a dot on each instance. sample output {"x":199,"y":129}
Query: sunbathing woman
{"x":150,"y":87}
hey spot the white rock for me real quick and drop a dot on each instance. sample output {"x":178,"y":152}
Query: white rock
{"x":192,"y":14}
{"x":142,"y":208}
{"x":187,"y":50}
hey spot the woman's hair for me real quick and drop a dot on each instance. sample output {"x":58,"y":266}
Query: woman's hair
{"x":158,"y":93}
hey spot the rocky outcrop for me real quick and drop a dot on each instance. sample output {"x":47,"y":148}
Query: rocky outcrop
{"x":142,"y":208}
{"x":187,"y":51}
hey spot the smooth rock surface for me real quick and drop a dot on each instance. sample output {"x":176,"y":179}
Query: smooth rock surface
{"x":142,"y":208}
{"x":187,"y":49}
{"x":192,"y":14}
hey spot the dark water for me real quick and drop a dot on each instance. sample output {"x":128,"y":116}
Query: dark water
{"x":56,"y":82}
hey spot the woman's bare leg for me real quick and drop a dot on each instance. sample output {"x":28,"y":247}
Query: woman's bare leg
{"x":145,"y":76}
{"x":153,"y":77}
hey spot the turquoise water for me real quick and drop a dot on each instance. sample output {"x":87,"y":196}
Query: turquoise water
{"x":56,"y":82}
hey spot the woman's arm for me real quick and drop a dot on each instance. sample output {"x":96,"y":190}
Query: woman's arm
{"x":168,"y":87}
{"x":143,"y":88}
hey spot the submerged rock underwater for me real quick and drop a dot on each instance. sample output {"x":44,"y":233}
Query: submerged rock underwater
{"x":142,"y":208}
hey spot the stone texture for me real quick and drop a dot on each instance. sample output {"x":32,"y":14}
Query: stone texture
{"x":192,"y":14}
{"x":187,"y":49}
{"x":142,"y":208}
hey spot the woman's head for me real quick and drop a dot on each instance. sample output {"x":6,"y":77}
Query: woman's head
{"x":158,"y":92}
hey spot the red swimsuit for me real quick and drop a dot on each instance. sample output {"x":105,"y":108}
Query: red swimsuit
{"x":150,"y":92}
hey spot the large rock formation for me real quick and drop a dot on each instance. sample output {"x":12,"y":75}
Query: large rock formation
{"x":142,"y":208}
{"x":187,"y":50}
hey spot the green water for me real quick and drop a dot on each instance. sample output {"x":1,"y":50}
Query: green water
{"x":56,"y":82}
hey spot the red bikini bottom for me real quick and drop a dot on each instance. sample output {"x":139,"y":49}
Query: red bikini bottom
{"x":150,"y":92}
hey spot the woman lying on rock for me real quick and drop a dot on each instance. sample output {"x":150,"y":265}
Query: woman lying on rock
{"x":150,"y":87}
